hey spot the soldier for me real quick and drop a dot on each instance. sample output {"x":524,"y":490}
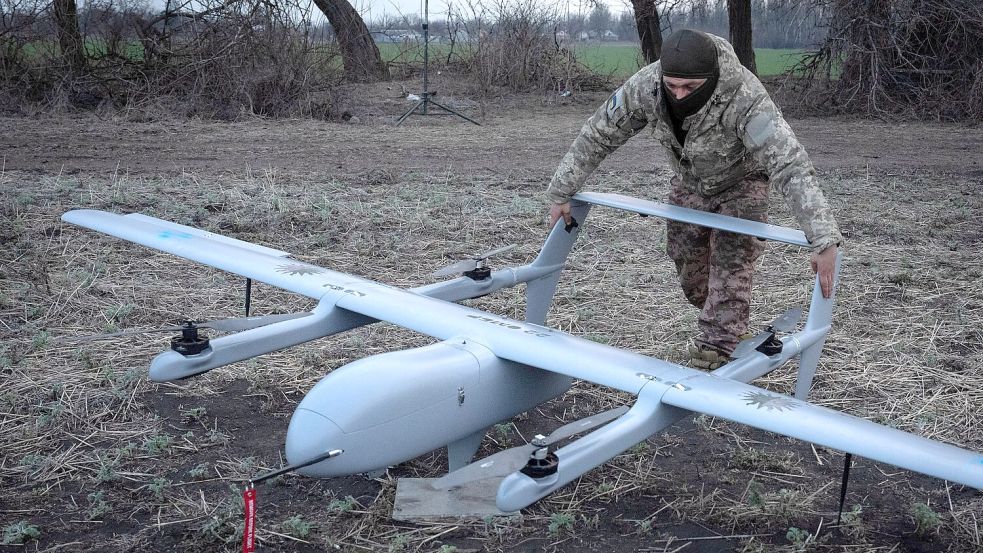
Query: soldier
{"x":726,"y":141}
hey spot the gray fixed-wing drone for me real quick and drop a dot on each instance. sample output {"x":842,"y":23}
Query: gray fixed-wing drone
{"x":485,"y":368}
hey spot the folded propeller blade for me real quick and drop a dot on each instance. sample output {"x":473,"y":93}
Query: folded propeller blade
{"x":223,"y":325}
{"x":497,"y":465}
{"x":247,"y":323}
{"x":585,"y":424}
{"x":788,"y":321}
{"x":495,"y":252}
{"x":471,"y":264}
{"x":508,"y":461}
{"x":92,"y":337}
{"x":785,"y":323}
{"x":462,"y":266}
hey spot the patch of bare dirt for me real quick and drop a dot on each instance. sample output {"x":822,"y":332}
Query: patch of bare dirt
{"x":517,"y":138}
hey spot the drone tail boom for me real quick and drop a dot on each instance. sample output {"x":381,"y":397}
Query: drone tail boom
{"x":325,"y":320}
{"x":661,"y":403}
{"x":646,"y":416}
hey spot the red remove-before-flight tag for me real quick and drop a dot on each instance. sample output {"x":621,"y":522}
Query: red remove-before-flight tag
{"x":249,"y":530}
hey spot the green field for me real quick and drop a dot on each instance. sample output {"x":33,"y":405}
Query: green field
{"x":772,"y":61}
{"x":617,"y":60}
{"x":621,"y":60}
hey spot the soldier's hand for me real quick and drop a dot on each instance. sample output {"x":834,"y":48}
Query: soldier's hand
{"x":824,"y":264}
{"x":557,"y":211}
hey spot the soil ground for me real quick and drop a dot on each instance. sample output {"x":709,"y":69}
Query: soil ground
{"x":97,"y":458}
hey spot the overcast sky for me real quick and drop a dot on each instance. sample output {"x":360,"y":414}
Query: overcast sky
{"x":371,"y":9}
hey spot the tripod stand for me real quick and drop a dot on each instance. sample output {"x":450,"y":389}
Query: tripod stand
{"x":425,"y":96}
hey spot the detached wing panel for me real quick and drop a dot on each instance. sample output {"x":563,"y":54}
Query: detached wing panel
{"x":249,"y":260}
{"x":786,"y":415}
{"x":696,"y":217}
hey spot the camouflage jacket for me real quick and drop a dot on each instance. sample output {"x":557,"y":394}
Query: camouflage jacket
{"x":739,"y":132}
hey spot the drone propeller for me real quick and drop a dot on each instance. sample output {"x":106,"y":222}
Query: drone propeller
{"x":508,"y":461}
{"x":785,"y":323}
{"x":466,"y":265}
{"x":222,"y":325}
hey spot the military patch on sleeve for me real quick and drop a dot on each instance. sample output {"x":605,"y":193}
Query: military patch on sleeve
{"x":760,"y":129}
{"x":616,"y":104}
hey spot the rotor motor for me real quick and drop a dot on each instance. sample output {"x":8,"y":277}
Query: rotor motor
{"x":189,"y":342}
{"x":542,"y":463}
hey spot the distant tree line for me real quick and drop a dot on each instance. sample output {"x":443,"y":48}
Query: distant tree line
{"x":776,"y":23}
{"x":271,"y":57}
{"x":209,"y":58}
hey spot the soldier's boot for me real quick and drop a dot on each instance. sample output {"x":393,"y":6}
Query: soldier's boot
{"x":705,"y":356}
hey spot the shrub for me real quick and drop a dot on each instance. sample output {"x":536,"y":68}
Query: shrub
{"x":20,"y":533}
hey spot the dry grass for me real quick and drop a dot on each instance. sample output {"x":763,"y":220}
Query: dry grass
{"x":95,"y":454}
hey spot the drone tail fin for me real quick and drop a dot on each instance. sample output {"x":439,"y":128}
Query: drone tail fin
{"x":539,"y":292}
{"x":820,"y":318}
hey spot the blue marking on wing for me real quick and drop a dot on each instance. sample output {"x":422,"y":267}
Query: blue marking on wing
{"x":175,"y":234}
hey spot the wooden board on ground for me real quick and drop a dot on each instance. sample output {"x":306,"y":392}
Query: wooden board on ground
{"x":416,"y":500}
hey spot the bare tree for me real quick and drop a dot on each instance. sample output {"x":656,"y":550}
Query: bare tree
{"x":739,"y":16}
{"x":359,"y":53}
{"x":599,"y":19}
{"x":649,"y":28}
{"x":69,"y":36}
{"x":885,"y":57}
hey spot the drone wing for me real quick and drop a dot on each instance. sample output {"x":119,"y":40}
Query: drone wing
{"x":250,"y":260}
{"x":743,"y":403}
{"x":552,"y":350}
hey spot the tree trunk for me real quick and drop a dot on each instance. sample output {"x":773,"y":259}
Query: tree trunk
{"x":649,"y":28}
{"x":359,"y":53}
{"x":69,"y":37}
{"x":739,"y":15}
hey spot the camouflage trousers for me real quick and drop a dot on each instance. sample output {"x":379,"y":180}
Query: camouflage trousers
{"x":715,"y":267}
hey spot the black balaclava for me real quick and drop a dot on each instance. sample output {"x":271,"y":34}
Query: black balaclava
{"x":689,"y":54}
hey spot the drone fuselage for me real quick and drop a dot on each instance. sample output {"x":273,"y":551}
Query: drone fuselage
{"x":374,"y":408}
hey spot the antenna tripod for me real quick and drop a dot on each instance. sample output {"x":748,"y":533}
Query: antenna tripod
{"x":425,"y":96}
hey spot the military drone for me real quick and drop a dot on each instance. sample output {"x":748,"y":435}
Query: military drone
{"x":389,"y":408}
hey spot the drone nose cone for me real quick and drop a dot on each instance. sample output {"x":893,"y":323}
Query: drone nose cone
{"x":310,"y":435}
